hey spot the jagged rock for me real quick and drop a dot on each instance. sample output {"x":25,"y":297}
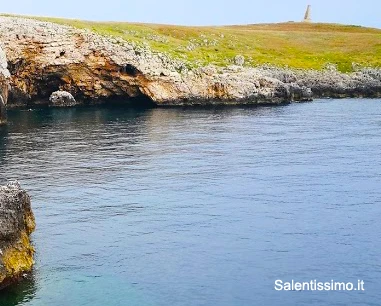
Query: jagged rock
{"x":44,"y":56}
{"x":4,"y":85}
{"x":299,"y":93}
{"x":62,"y":99}
{"x":16,"y":224}
{"x":96,"y":68}
{"x":363,"y":83}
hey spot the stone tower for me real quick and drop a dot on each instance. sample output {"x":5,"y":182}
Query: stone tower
{"x":307,"y":16}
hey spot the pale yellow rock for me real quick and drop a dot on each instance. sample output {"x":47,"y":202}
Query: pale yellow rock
{"x":17,"y":258}
{"x":16,"y":224}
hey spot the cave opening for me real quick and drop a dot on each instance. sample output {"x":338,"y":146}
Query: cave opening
{"x":130,"y":102}
{"x":130,"y":70}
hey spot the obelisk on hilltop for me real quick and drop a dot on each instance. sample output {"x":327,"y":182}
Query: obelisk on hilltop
{"x":307,"y":16}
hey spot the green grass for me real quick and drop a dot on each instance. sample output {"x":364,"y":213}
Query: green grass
{"x":296,"y":45}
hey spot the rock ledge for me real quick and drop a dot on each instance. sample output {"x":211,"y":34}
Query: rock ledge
{"x":16,"y":224}
{"x":44,"y":57}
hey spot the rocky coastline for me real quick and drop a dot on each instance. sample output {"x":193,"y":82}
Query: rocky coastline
{"x":16,"y":224}
{"x":43,"y":58}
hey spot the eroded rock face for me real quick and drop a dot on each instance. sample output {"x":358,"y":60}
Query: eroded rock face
{"x":45,"y":57}
{"x":16,"y":224}
{"x":4,"y":85}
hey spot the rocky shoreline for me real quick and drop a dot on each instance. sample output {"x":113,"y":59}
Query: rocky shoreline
{"x":16,"y":224}
{"x":42,"y":58}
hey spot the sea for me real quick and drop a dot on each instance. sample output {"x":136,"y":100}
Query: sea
{"x":199,"y":206}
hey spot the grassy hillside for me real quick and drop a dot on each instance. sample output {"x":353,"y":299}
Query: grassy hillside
{"x":297,"y":45}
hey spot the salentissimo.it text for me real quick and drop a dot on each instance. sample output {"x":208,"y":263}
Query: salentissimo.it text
{"x":315,"y":285}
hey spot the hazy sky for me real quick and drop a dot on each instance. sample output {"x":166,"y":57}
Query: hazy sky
{"x":203,"y":12}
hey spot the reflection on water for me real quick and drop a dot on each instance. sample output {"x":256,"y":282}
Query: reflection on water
{"x":198,"y":206}
{"x":20,"y":293}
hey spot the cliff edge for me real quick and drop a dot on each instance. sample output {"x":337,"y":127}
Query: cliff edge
{"x":16,"y":224}
{"x":45,"y":57}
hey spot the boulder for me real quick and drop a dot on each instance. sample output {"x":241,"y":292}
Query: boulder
{"x":16,"y":224}
{"x":62,"y":99}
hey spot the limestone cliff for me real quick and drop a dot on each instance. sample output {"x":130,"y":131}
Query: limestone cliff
{"x":44,"y":57}
{"x":16,"y":224}
{"x":4,"y":84}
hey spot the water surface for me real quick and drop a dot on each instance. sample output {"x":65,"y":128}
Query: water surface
{"x":177,"y":207}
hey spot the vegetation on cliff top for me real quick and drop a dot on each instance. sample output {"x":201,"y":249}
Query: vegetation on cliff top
{"x":296,"y":45}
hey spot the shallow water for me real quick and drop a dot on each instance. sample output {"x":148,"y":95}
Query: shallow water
{"x":199,"y":206}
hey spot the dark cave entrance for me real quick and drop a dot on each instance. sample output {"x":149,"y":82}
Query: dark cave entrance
{"x":130,"y":70}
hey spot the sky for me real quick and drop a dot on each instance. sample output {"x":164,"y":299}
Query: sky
{"x":203,"y":12}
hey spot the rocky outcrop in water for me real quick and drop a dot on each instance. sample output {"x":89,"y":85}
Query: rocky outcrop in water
{"x":16,"y":224}
{"x":45,"y":57}
{"x":330,"y":83}
{"x":4,"y":85}
{"x":62,"y":99}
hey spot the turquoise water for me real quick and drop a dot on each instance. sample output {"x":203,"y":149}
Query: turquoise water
{"x":199,"y":206}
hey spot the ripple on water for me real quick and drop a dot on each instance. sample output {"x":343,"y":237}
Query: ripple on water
{"x":198,"y":206}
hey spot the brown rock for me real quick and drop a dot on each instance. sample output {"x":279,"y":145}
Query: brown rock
{"x":16,"y":224}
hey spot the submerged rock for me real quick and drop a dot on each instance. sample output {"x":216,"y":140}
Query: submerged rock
{"x":62,"y":99}
{"x":16,"y":224}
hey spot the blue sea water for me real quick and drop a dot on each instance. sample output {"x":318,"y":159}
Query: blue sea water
{"x":199,"y":206}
